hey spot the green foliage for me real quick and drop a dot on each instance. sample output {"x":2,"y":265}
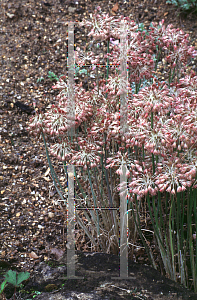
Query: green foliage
{"x":36,"y":294}
{"x":141,"y":28}
{"x":184,"y":4}
{"x":52,"y":76}
{"x":81,"y":71}
{"x":40,"y":79}
{"x":77,"y":70}
{"x":3,"y":285}
{"x":12,"y":277}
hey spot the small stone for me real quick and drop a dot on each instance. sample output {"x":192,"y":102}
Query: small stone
{"x":50,"y":215}
{"x":40,"y":226}
{"x":71,"y":9}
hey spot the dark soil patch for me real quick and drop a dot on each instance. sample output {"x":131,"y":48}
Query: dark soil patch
{"x":97,"y":270}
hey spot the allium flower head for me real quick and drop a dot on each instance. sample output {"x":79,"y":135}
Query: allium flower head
{"x":103,"y":27}
{"x":88,"y":154}
{"x":62,"y":150}
{"x":37,"y":124}
{"x":142,"y":181}
{"x":174,"y":41}
{"x":170,"y":176}
{"x":154,"y":98}
{"x":119,"y":160}
{"x":98,"y":26}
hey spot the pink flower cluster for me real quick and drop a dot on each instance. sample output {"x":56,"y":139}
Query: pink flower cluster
{"x":159,"y":146}
{"x":174,"y":42}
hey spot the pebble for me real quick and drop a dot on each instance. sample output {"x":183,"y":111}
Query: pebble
{"x":40,"y":226}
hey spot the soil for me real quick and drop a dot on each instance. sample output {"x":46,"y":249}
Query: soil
{"x":97,"y":277}
{"x":33,"y":42}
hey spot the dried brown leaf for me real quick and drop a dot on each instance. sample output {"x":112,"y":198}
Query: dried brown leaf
{"x":115,"y":8}
{"x":33,"y":255}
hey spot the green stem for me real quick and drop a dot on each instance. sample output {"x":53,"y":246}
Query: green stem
{"x":95,"y":205}
{"x":171,"y":234}
{"x":195,"y":218}
{"x":79,"y":184}
{"x":53,"y":174}
{"x":107,"y":65}
{"x":139,"y":229}
{"x":157,"y":60}
{"x":158,"y":234}
{"x":153,"y":159}
{"x":97,"y":78}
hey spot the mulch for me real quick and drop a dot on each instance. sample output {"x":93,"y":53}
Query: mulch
{"x":33,"y":39}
